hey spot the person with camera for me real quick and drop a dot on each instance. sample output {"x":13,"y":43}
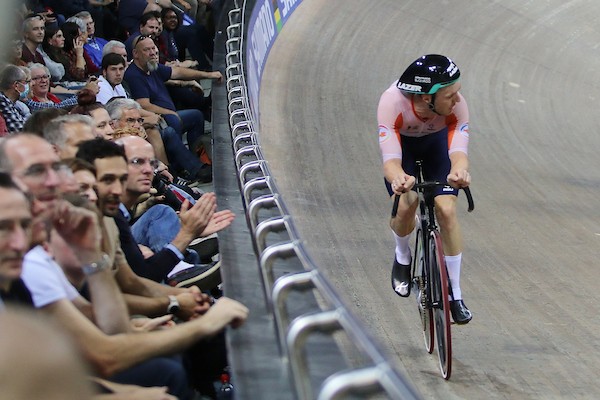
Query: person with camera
{"x":163,"y":229}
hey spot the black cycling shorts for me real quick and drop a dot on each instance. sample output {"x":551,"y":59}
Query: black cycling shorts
{"x":432,"y":150}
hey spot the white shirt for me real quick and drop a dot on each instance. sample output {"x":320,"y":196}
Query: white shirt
{"x":107,"y":92}
{"x":45,"y":279}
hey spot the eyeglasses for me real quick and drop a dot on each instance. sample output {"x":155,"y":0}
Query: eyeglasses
{"x":24,"y":82}
{"x":140,"y":162}
{"x":139,"y":38}
{"x":39,"y":78}
{"x":132,"y":121}
{"x":39,"y":172}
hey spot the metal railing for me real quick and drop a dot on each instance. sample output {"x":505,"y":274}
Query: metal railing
{"x":259,"y":194}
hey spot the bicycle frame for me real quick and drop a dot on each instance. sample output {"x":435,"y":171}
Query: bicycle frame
{"x":429,"y":273}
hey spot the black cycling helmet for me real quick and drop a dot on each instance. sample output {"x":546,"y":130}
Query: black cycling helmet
{"x":428,"y":74}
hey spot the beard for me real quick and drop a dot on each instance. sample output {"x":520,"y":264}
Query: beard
{"x":152,"y":66}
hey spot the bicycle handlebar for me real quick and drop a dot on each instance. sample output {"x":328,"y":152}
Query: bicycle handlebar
{"x":434,"y":184}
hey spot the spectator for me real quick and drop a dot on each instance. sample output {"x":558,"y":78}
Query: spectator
{"x":110,"y":82}
{"x":177,"y":38}
{"x":89,"y":106}
{"x":80,"y":65}
{"x":39,"y":119}
{"x":85,"y":176}
{"x":67,"y":132}
{"x":127,"y":113}
{"x":23,"y":155}
{"x":53,"y":52}
{"x":15,"y":52}
{"x":150,"y":26}
{"x":146,"y":78}
{"x":93,"y":45}
{"x":14,"y":85}
{"x":114,"y":46}
{"x":33,"y":36}
{"x":40,"y":90}
{"x":174,"y":229}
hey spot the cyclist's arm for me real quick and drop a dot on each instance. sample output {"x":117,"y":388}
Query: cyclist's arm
{"x":459,"y":171}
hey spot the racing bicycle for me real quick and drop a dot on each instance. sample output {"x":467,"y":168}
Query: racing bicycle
{"x":429,"y":274}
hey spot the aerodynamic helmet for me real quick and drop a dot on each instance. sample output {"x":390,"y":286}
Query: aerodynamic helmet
{"x":428,"y":74}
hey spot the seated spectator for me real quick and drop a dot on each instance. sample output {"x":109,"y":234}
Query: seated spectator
{"x":110,"y":82}
{"x":127,"y":113}
{"x":15,"y":51}
{"x":20,"y":104}
{"x":146,"y":78}
{"x":84,"y":174}
{"x":79,"y":63}
{"x":173,"y":229}
{"x":14,"y":85}
{"x":131,"y":11}
{"x":40,"y":90}
{"x":177,"y":38}
{"x":53,"y":52}
{"x":33,"y":36}
{"x":150,"y":25}
{"x":40,"y":118}
{"x":67,"y":132}
{"x":114,"y":46}
{"x":115,"y":356}
{"x":87,"y":105}
{"x":93,"y":45}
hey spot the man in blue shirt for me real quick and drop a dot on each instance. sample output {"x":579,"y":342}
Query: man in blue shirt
{"x":146,"y":79}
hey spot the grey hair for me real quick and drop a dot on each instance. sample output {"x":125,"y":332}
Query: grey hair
{"x":108,"y":47}
{"x":80,"y":24}
{"x":38,"y":65}
{"x":83,"y":15}
{"x":10,"y":74}
{"x":26,"y":26}
{"x":115,"y":108}
{"x":55,"y":133}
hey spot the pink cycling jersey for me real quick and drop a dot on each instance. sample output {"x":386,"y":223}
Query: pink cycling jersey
{"x":396,"y":116}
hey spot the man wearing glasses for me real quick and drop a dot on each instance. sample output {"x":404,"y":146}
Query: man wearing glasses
{"x":14,"y":86}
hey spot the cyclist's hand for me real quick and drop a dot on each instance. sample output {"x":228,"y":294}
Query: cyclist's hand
{"x":403,"y":184}
{"x":459,"y":179}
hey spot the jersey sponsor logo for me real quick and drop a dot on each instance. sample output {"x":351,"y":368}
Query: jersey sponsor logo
{"x":447,"y":189}
{"x":384,"y":134}
{"x":409,"y":87}
{"x":464,"y":130}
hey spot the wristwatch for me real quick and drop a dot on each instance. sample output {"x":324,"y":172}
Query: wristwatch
{"x":173,"y":306}
{"x":101,"y":265}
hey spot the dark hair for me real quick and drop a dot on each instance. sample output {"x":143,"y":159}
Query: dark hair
{"x":86,"y":102}
{"x":39,"y":119}
{"x":148,"y":16}
{"x":163,"y":14}
{"x":55,"y":53}
{"x":112,"y":59}
{"x":90,"y":150}
{"x":70,"y":31}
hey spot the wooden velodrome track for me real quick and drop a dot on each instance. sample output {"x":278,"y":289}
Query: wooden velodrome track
{"x":530,"y":73}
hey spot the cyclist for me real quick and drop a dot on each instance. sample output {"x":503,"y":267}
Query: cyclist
{"x":423,"y":116}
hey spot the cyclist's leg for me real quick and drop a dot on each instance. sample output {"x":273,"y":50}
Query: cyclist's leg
{"x":437,"y":167}
{"x":402,"y":225}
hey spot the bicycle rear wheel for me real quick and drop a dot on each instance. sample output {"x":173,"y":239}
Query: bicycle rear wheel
{"x":441,"y":308}
{"x":420,"y":277}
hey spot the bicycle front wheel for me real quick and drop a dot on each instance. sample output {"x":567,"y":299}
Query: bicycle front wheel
{"x":420,"y":279}
{"x":441,"y":305}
